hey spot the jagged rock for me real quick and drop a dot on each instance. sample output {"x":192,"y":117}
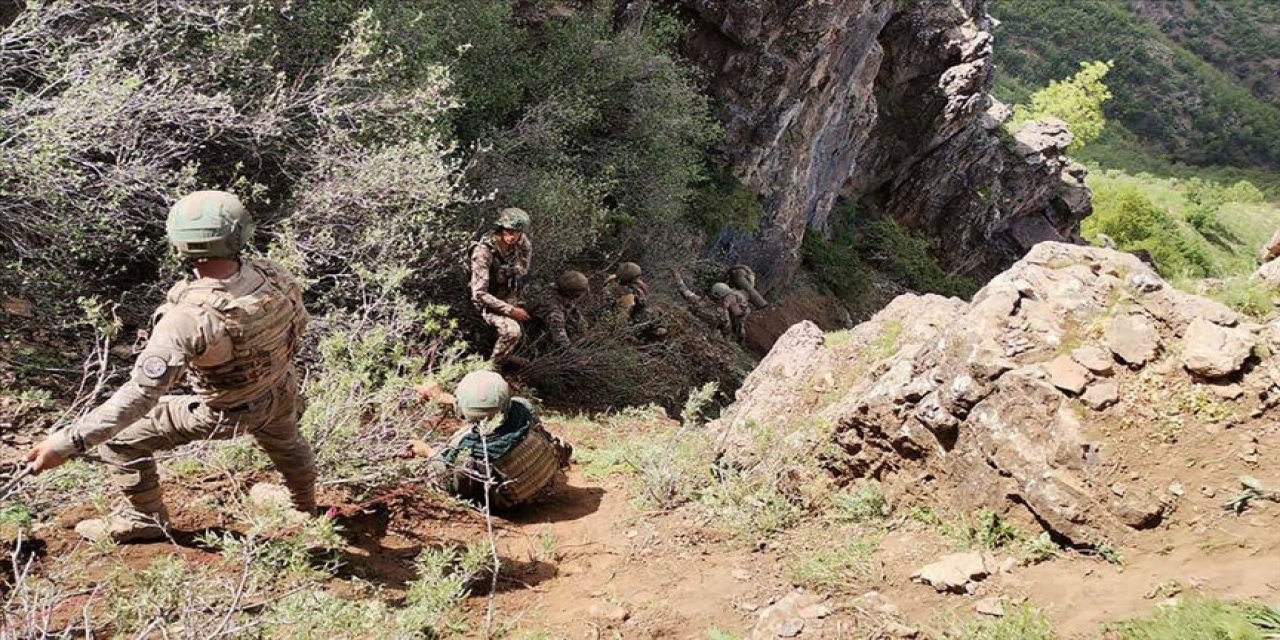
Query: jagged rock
{"x":1213,"y":351}
{"x":899,"y":630}
{"x":954,"y":572}
{"x":1269,"y":274}
{"x":1132,"y":339}
{"x":1093,"y":359}
{"x":961,"y":395}
{"x":1101,"y":395}
{"x":1064,"y":373}
{"x":1270,"y":249}
{"x":608,"y":613}
{"x":786,"y":617}
{"x":990,"y":607}
{"x":884,"y":104}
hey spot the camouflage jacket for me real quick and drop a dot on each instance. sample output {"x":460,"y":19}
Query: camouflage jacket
{"x":234,"y":339}
{"x":497,"y":276}
{"x":559,"y":315}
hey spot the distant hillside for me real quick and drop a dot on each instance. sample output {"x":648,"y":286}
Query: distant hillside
{"x":1241,"y":37}
{"x":1197,"y":110}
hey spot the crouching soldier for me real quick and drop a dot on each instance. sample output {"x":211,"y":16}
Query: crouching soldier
{"x":234,"y":330}
{"x":633,"y":301}
{"x":557,"y":309}
{"x":499,"y":266}
{"x":727,"y":308}
{"x":502,"y":445}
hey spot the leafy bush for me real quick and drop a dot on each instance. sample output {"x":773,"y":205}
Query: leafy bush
{"x":1077,"y":101}
{"x":1134,"y":222}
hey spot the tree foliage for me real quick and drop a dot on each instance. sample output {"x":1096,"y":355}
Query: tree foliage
{"x":1078,"y":101}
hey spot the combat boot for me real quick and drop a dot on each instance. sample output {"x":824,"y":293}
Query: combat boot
{"x":126,"y":526}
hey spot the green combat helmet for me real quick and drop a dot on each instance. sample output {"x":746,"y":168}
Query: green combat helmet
{"x":483,"y":398}
{"x":572,"y":284}
{"x":208,"y":224}
{"x":514,"y":219}
{"x":628,"y":272}
{"x":720,"y":290}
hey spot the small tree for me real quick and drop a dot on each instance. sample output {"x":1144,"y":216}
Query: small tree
{"x":1077,"y":101}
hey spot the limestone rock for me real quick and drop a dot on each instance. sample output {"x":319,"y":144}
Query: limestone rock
{"x":1066,"y":374}
{"x":954,"y":572}
{"x":990,"y":607}
{"x":1269,"y":274}
{"x":825,"y":100}
{"x":608,"y":613}
{"x":1101,"y":395}
{"x":1094,"y":359}
{"x":1213,"y":351}
{"x":787,"y":617}
{"x":1132,"y":339}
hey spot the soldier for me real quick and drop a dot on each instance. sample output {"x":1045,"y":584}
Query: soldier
{"x":728,"y":308}
{"x":558,"y":308}
{"x":523,"y":459}
{"x":234,"y":330}
{"x":744,"y":279}
{"x":499,"y":267}
{"x":633,"y":300}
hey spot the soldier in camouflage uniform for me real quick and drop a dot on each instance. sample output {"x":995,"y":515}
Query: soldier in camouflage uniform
{"x":633,"y":300}
{"x":742,"y":278}
{"x":558,"y":310}
{"x":523,"y":459}
{"x":499,"y":266}
{"x":233,"y":329}
{"x":728,"y":308}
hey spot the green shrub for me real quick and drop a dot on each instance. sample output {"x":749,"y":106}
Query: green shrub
{"x":1023,"y":623}
{"x":1134,"y":222}
{"x":1077,"y":101}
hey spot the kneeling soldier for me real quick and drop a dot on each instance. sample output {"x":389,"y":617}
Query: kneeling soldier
{"x":502,"y":444}
{"x":233,"y":330}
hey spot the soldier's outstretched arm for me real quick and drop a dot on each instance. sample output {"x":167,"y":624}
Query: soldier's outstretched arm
{"x":684,"y":290}
{"x":556,"y":326}
{"x":179,"y":337}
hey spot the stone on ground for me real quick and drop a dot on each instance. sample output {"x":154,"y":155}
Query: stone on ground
{"x":1212,"y":351}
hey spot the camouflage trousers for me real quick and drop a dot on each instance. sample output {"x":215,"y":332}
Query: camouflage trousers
{"x":178,"y":420}
{"x":509,"y":334}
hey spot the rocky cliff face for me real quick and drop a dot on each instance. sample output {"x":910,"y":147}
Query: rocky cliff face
{"x":1077,"y":390}
{"x":884,"y":103}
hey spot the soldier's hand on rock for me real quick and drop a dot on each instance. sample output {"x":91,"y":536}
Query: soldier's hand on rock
{"x":42,"y":457}
{"x":519,"y":315}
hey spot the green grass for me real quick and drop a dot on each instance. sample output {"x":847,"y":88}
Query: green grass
{"x":1023,"y":623}
{"x":834,"y":568}
{"x":1202,"y":619}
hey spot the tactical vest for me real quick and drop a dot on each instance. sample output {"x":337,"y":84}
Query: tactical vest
{"x":524,"y":470}
{"x":265,"y":326}
{"x":503,"y":281}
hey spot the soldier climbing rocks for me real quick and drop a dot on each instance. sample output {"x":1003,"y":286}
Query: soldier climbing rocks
{"x":234,"y":330}
{"x":558,"y":310}
{"x":502,"y":445}
{"x":499,"y":268}
{"x":728,"y":308}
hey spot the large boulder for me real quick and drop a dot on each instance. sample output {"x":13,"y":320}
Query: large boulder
{"x":1000,"y":401}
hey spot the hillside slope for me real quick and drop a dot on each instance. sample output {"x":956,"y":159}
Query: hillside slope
{"x":1171,"y":98}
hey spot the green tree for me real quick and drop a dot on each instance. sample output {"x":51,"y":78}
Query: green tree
{"x":1077,"y":101}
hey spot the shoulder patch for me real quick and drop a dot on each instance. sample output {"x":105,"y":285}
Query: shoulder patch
{"x":154,"y":367}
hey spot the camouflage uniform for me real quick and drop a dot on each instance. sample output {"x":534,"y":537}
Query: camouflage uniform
{"x":497,"y":276}
{"x":729,"y":314}
{"x":235,"y":339}
{"x":559,"y":315}
{"x":742,"y":278}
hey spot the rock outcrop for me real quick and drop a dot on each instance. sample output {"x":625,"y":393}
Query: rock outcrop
{"x":1042,"y":396}
{"x":886,"y":104}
